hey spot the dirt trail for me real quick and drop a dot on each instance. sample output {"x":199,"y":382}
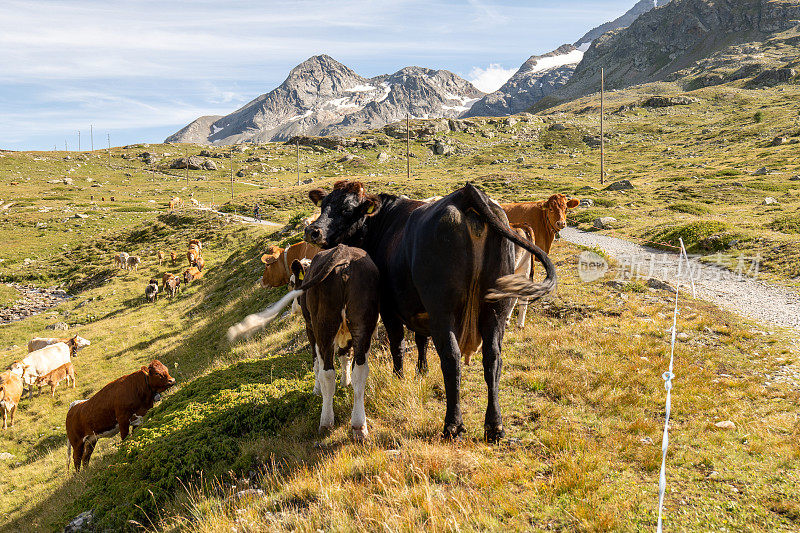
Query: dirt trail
{"x":33,"y":300}
{"x":767,"y":303}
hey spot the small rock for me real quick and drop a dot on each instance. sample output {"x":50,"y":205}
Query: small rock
{"x":646,"y":440}
{"x":521,"y":159}
{"x":58,"y":326}
{"x":761,"y":172}
{"x":309,"y":180}
{"x":682,"y":336}
{"x":383,"y":157}
{"x":621,"y":185}
{"x":726,"y":425}
{"x":586,"y":202}
{"x":240,"y":173}
{"x":82,"y":522}
{"x":777,"y":141}
{"x":603,"y":222}
{"x":209,"y":165}
{"x":557,"y":127}
{"x":769,"y":200}
{"x":80,"y":215}
{"x":67,"y":181}
{"x":654,"y":283}
{"x":794,"y":178}
{"x":5,"y":456}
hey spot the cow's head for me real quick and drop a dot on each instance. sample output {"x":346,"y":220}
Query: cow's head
{"x":555,"y":211}
{"x":17,"y":368}
{"x":158,"y":378}
{"x":274,"y":270}
{"x":299,"y":267}
{"x":187,"y":276}
{"x":343,"y":213}
{"x":77,"y":343}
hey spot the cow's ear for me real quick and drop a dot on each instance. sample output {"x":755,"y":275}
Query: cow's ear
{"x":268,"y":259}
{"x":371,"y":204}
{"x":572,"y":203}
{"x":316,"y":196}
{"x":298,"y":270}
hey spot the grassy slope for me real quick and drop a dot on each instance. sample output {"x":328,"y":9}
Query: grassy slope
{"x":8,"y":295}
{"x":578,"y":402}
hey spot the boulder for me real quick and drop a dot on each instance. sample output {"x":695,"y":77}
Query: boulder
{"x":557,"y":127}
{"x":81,"y":523}
{"x":769,"y":200}
{"x":603,"y":222}
{"x":383,"y":157}
{"x":307,"y":181}
{"x":80,"y":215}
{"x":667,"y":101}
{"x":67,"y":181}
{"x":777,"y":141}
{"x":726,"y":425}
{"x":761,"y":172}
{"x":209,"y":165}
{"x":586,"y":202}
{"x":441,"y":148}
{"x":193,"y":162}
{"x":58,"y":326}
{"x":621,"y":185}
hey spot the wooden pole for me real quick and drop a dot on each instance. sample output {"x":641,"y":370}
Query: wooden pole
{"x":408,"y":147}
{"x":79,"y":140}
{"x":297,"y":143}
{"x":186,"y":154}
{"x":108,"y":136}
{"x":602,"y":138}
{"x":91,"y":135}
{"x":231,"y":173}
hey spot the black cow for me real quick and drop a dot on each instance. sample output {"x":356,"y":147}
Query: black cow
{"x":446,"y":271}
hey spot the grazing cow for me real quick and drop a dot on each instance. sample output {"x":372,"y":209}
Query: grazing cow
{"x":339,"y":298}
{"x":200,"y":263}
{"x":103,"y":199}
{"x":192,"y":255}
{"x":546,"y":217}
{"x":191,"y":274}
{"x":160,"y":256}
{"x":151,"y":291}
{"x":54,"y":377}
{"x":172,"y":205}
{"x":197,"y":243}
{"x":171,"y":284}
{"x":75,"y":343}
{"x":277,"y":262}
{"x":121,"y":260}
{"x":112,"y":199}
{"x":113,"y":409}
{"x":133,"y":262}
{"x":42,"y":361}
{"x":447,"y":271}
{"x":10,"y":394}
{"x":172,"y":258}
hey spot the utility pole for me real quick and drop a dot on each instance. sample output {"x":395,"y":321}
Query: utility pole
{"x":65,"y":146}
{"x":79,"y":140}
{"x":186,"y":153}
{"x":108,"y":136}
{"x":408,"y":147}
{"x":602,"y":138}
{"x":297,"y":142}
{"x":91,"y":135}
{"x":231,"y":173}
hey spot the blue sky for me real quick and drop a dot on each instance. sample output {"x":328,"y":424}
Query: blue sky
{"x":142,"y":69}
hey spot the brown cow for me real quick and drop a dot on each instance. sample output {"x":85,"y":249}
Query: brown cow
{"x":160,"y":256}
{"x":114,"y":409}
{"x":192,"y":255}
{"x":191,"y":274}
{"x":172,"y":258}
{"x":278,"y":261}
{"x":200,"y":263}
{"x":171,"y":284}
{"x":54,"y":377}
{"x":339,"y":296}
{"x":10,"y":393}
{"x":546,"y":217}
{"x":196,"y":242}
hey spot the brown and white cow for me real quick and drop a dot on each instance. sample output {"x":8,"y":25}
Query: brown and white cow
{"x":121,"y":260}
{"x":133,"y":262}
{"x":114,"y":409}
{"x":545,"y":217}
{"x":10,"y":394}
{"x":43,"y":361}
{"x":171,"y":284}
{"x":191,"y":274}
{"x":151,"y":291}
{"x":172,"y":257}
{"x":196,"y":242}
{"x":193,"y":255}
{"x":54,"y":377}
{"x":277,"y":262}
{"x":75,"y":343}
{"x":339,"y":295}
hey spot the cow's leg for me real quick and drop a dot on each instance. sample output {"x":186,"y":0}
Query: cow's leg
{"x":522,"y":310}
{"x":395,"y":332}
{"x":492,"y":327}
{"x":312,"y":342}
{"x":77,"y":454}
{"x":124,"y":421}
{"x":347,"y":364}
{"x":5,"y":413}
{"x":444,"y":339}
{"x":422,"y":353}
{"x":13,"y":410}
{"x":88,"y":449}
{"x":327,"y":373}
{"x":358,"y":418}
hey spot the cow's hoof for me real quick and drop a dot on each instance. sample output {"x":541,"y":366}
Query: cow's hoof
{"x":452,"y":431}
{"x":325,"y":430}
{"x":359,"y":434}
{"x":494,"y":434}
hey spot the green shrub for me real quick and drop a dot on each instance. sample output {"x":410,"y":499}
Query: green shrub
{"x":699,"y":236}
{"x":758,"y":117}
{"x":133,"y":209}
{"x":605,"y":202}
{"x":690,"y":208}
{"x":786,"y":224}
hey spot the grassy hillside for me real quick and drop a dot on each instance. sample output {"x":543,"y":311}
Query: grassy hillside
{"x":582,"y":393}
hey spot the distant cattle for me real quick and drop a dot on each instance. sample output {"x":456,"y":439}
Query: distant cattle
{"x":43,"y":361}
{"x":113,"y":409}
{"x":112,"y":199}
{"x":197,"y":243}
{"x":172,"y":258}
{"x":133,"y":262}
{"x":277,"y":262}
{"x":151,"y":291}
{"x":10,"y":394}
{"x":446,"y":271}
{"x":121,"y":260}
{"x":54,"y":377}
{"x":545,"y":217}
{"x":171,"y":284}
{"x":191,"y":274}
{"x":160,"y":257}
{"x":200,"y":263}
{"x":75,"y":343}
{"x":339,"y":297}
{"x":192,"y":255}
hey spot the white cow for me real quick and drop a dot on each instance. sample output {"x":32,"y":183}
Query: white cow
{"x":43,"y":361}
{"x":75,"y":343}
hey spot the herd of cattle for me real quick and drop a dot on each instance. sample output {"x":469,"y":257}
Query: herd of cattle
{"x":451,"y":269}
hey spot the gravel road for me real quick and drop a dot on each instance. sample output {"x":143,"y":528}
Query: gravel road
{"x":765,"y":302}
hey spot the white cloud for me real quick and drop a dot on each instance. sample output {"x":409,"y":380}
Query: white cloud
{"x":491,"y":78}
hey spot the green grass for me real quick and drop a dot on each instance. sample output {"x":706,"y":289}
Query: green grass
{"x":786,"y":224}
{"x":8,"y":295}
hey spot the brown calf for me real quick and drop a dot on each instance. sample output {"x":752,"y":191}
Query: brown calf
{"x":10,"y":393}
{"x":545,"y":217}
{"x":65,"y":371}
{"x":172,"y":258}
{"x":160,"y":256}
{"x":277,"y":262}
{"x":113,"y":409}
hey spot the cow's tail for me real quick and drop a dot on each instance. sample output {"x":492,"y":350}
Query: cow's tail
{"x":322,"y":270}
{"x":69,"y":453}
{"x":513,"y":286}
